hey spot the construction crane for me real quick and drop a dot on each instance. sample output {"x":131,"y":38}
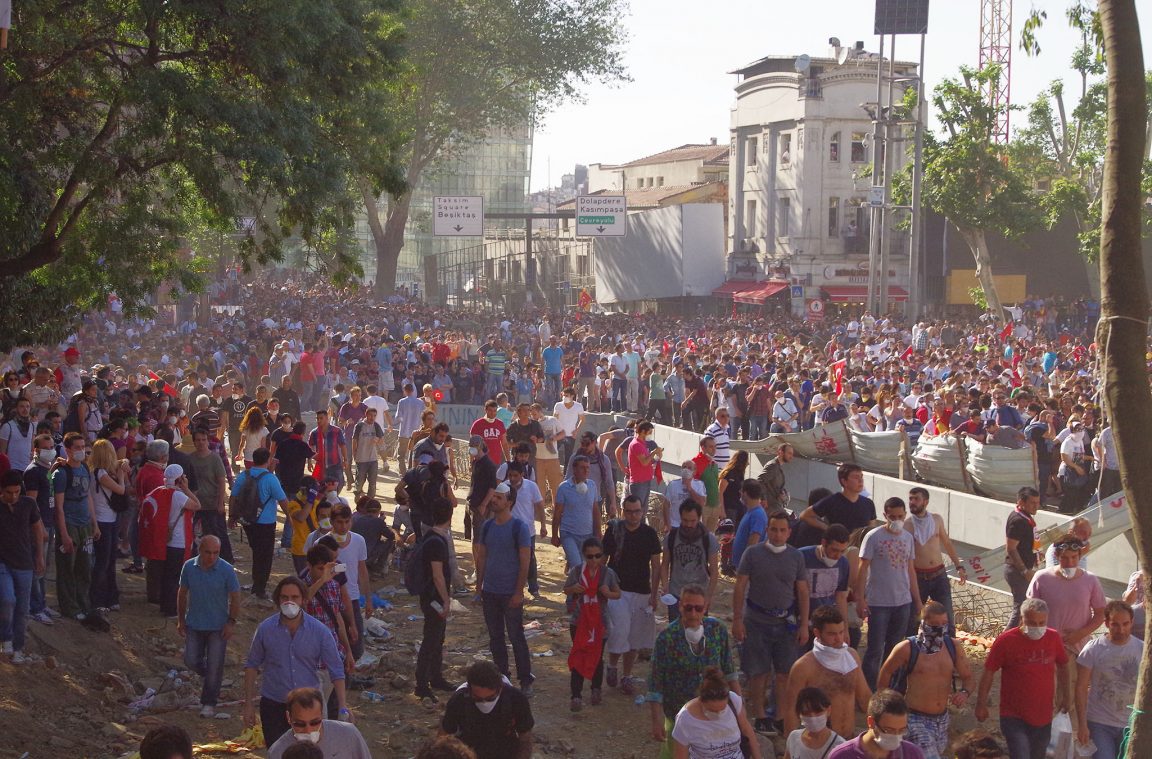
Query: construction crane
{"x":996,"y":48}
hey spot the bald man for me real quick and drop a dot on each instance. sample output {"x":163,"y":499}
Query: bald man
{"x":207,"y":606}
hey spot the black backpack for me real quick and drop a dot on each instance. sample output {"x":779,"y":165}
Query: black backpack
{"x":247,"y":505}
{"x":899,"y":681}
{"x":417,"y":576}
{"x":118,"y":502}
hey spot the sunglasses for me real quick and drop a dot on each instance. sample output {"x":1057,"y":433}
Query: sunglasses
{"x":593,"y":555}
{"x":1069,"y":546}
{"x":699,"y":608}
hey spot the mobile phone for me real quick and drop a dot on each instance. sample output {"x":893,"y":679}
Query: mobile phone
{"x":439,"y":607}
{"x":340,"y":568}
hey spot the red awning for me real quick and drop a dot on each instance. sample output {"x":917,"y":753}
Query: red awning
{"x":859,"y":293}
{"x":760,"y":293}
{"x":733,"y":286}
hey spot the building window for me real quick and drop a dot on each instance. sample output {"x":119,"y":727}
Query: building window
{"x":659,"y":181}
{"x":750,"y":218}
{"x":783,"y":217}
{"x":640,"y":184}
{"x":834,"y":148}
{"x":833,"y":217}
{"x":649,"y":181}
{"x":785,"y":149}
{"x":859,"y":151}
{"x":753,"y":147}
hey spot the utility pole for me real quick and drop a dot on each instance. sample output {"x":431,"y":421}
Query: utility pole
{"x":914,"y":275}
{"x":876,"y":216}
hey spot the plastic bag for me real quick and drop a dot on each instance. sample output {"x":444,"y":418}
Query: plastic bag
{"x":1063,"y":742}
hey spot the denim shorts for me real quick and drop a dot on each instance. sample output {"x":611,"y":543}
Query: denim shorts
{"x":769,"y":646}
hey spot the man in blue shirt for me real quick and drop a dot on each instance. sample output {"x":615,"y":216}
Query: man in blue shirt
{"x":408,"y":412}
{"x":75,"y":525}
{"x":287,"y":650}
{"x":261,"y":534}
{"x":207,"y":604}
{"x":576,"y":511}
{"x":553,"y":356}
{"x":503,"y":552}
{"x":754,"y":525}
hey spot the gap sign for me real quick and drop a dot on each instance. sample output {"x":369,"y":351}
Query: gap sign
{"x":458,"y":216}
{"x":601,"y":216}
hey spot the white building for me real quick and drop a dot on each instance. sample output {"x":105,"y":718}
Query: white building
{"x":686,"y":166}
{"x":799,"y":174}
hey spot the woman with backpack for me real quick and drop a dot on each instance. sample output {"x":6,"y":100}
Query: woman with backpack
{"x":110,"y":498}
{"x":252,"y":433}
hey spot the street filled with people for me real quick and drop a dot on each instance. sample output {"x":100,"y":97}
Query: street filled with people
{"x":269,"y":466}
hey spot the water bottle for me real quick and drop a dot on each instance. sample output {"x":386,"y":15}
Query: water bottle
{"x":373,"y":696}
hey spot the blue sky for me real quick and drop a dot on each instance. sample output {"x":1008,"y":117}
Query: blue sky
{"x":679,"y":51}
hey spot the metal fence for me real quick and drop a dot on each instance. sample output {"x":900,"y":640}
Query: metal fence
{"x":979,"y":609}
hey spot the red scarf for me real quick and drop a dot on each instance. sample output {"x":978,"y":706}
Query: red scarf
{"x":588,"y":643}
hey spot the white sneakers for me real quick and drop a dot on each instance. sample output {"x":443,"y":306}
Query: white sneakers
{"x":43,"y":618}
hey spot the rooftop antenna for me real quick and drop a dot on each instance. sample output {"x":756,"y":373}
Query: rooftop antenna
{"x":803,"y":63}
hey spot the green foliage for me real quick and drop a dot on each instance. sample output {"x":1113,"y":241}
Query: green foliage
{"x":129,"y":128}
{"x":978,"y":299}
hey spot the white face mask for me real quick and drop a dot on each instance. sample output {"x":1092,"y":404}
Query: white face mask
{"x":171,"y":420}
{"x":827,"y":561}
{"x":896,"y":526}
{"x":486,"y":707}
{"x":325,"y":524}
{"x":333,"y":497}
{"x":1035,"y":633}
{"x":694,"y":634}
{"x":437,"y":446}
{"x":1068,"y":572}
{"x":290,"y":610}
{"x":711,"y":715}
{"x":581,"y":487}
{"x":79,"y":455}
{"x":815,"y":722}
{"x":313,"y":737}
{"x":46,"y":456}
{"x":473,"y":451}
{"x":775,"y":548}
{"x":888,"y":742}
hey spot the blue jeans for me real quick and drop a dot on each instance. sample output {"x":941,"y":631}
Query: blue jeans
{"x":572,"y":545}
{"x":38,"y":601}
{"x":103,"y":591}
{"x":204,"y":655}
{"x":495,"y":385}
{"x":757,"y":427}
{"x":499,"y":617}
{"x":552,"y":387}
{"x":1107,"y":739}
{"x":939,"y":589}
{"x":619,"y":394}
{"x":642,"y":490}
{"x":886,"y":627}
{"x":15,"y":588}
{"x":1025,"y":741}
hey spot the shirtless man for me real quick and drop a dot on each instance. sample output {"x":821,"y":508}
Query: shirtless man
{"x":931,"y":540}
{"x":930,"y":680}
{"x":832,"y":666}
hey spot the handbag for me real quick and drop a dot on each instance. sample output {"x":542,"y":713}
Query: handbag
{"x":1071,"y":478}
{"x":745,"y":742}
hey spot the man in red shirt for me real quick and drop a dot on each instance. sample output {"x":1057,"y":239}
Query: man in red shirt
{"x":1033,"y":659}
{"x":492,"y":430}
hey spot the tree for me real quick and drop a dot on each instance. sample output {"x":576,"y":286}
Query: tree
{"x":475,"y":66}
{"x":127,"y":127}
{"x":1122,"y":333}
{"x":969,"y":180}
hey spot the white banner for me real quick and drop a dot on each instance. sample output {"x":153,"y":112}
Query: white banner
{"x":1110,"y":519}
{"x":829,"y":442}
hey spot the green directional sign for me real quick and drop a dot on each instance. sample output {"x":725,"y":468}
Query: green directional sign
{"x":601,"y":216}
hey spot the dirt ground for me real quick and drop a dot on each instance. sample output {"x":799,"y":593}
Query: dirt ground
{"x":75,"y":703}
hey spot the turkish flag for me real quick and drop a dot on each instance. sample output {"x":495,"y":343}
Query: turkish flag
{"x":167,"y":388}
{"x":1006,"y":332}
{"x":907,"y":354}
{"x":837,"y":371}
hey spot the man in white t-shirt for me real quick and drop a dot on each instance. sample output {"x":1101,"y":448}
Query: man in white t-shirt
{"x":570,"y":414}
{"x":352,"y":552}
{"x":374,"y":400}
{"x":679,"y":491}
{"x":1106,"y":682}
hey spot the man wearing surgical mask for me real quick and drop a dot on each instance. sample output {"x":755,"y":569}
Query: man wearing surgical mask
{"x":1034,"y":661}
{"x":287,"y":650}
{"x":887,"y":726}
{"x":489,"y":715}
{"x":886,"y":589}
{"x":576,"y":513}
{"x":930,"y":676}
{"x":770,"y":613}
{"x":305,"y":713}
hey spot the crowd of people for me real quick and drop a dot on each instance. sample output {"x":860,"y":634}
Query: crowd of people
{"x":153,"y":443}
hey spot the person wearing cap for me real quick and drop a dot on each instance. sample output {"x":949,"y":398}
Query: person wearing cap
{"x":68,"y":375}
{"x":166,"y":532}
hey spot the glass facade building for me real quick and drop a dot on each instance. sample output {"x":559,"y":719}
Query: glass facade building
{"x":498,"y":169}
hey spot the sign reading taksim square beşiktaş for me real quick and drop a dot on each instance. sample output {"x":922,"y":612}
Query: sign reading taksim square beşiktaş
{"x":601,"y":216}
{"x":458,"y":216}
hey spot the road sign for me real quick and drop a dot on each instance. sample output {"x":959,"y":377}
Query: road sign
{"x":601,"y":216}
{"x":814,"y":311}
{"x":458,"y":216}
{"x":797,"y":292}
{"x":876,"y":196}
